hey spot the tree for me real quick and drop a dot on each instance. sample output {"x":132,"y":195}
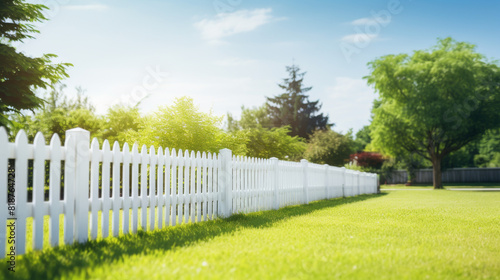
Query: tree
{"x":59,"y":114}
{"x":256,"y":117}
{"x":434,"y":102}
{"x":362,"y":138}
{"x":464,"y":157}
{"x":489,"y":150}
{"x":183,"y":126}
{"x":21,"y":75}
{"x":119,"y":121}
{"x":330,"y":147}
{"x":293,"y":107}
{"x":275,"y":142}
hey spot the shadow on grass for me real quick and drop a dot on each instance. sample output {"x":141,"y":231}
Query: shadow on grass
{"x":56,"y":262}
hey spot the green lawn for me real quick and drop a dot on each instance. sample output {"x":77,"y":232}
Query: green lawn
{"x":393,"y":235}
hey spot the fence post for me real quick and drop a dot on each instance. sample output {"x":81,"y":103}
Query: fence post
{"x":343,"y":181}
{"x":304,"y":172}
{"x":327,"y":187}
{"x":226,"y":181}
{"x":81,"y":183}
{"x":358,"y":182}
{"x":275,"y":169}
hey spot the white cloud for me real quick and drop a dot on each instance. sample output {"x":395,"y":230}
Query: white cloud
{"x":95,"y":7}
{"x":349,"y":102}
{"x":227,"y":24}
{"x":359,"y":38}
{"x":368,"y":21}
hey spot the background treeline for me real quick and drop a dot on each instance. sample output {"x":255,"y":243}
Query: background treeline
{"x":288,"y":126}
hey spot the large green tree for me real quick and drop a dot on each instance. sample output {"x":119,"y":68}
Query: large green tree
{"x":434,"y":101}
{"x":293,"y":107}
{"x":21,"y":75}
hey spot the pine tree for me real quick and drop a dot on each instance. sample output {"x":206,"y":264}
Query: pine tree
{"x":293,"y":107}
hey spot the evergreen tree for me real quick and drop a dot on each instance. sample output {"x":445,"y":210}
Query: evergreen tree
{"x":293,"y":107}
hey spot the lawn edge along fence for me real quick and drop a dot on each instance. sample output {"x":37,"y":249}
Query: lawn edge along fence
{"x":176,"y":186}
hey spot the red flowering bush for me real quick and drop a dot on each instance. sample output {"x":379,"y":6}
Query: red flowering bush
{"x":368,"y":159}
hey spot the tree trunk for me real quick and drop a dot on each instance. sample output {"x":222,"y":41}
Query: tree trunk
{"x":436,"y":173}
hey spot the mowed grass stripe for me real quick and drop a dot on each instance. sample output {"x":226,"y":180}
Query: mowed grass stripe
{"x":395,"y":235}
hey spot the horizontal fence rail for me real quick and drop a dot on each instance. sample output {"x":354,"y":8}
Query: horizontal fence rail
{"x":106,"y":191}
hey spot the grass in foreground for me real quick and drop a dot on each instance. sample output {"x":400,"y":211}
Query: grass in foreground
{"x":412,"y":235}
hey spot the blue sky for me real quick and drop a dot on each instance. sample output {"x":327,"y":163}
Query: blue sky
{"x":229,"y":53}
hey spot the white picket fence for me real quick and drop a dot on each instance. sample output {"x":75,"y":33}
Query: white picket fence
{"x":151,"y":188}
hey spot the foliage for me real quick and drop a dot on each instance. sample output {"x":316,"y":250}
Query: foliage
{"x":183,"y":126}
{"x":293,"y":107}
{"x":434,"y":102}
{"x":59,"y":114}
{"x":21,"y":75}
{"x":275,"y":142}
{"x":489,"y":150}
{"x":251,"y":118}
{"x":121,"y":120}
{"x":362,"y":139}
{"x":368,"y":159}
{"x":464,"y":157}
{"x":329,"y":147}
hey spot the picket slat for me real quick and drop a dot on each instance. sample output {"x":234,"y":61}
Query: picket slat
{"x":105,"y":188}
{"x":152,"y":187}
{"x":182,"y":161}
{"x":181,"y":180}
{"x":126,"y":189}
{"x":173,"y":187}
{"x":135,"y":187}
{"x":38,"y":189}
{"x":117,"y":160}
{"x":192,"y":191}
{"x":69,"y":190}
{"x":198,"y":187}
{"x":160,"y":188}
{"x":185,"y":190}
{"x":21,"y":167}
{"x":144,"y":187}
{"x":54,"y":189}
{"x":94,"y":187}
{"x":210,"y":186}
{"x":167,"y":187}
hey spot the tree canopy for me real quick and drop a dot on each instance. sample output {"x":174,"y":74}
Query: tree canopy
{"x":274,"y":142}
{"x":434,"y":101}
{"x":293,"y":107}
{"x":183,"y":126}
{"x":21,"y":75}
{"x":330,"y":147}
{"x":489,"y":149}
{"x":58,"y":114}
